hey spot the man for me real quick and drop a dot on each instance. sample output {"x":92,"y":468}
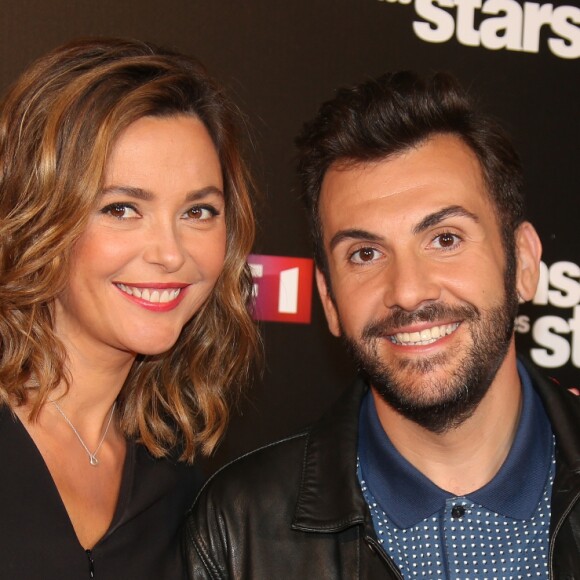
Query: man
{"x":450,"y":458}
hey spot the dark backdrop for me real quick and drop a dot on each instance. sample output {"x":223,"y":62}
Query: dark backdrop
{"x":281,"y":59}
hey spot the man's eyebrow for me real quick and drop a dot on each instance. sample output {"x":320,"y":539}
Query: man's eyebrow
{"x":437,"y":217}
{"x":353,"y":234}
{"x":427,"y":222}
{"x":146,"y":195}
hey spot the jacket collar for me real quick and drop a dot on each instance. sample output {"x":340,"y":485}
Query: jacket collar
{"x":330,"y":499}
{"x":563,"y":409}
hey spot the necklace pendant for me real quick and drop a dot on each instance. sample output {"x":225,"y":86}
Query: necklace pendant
{"x":92,"y":456}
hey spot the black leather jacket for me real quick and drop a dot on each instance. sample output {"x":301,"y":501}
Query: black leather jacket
{"x":294,"y":509}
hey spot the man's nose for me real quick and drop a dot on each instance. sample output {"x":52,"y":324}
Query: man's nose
{"x":411,"y":282}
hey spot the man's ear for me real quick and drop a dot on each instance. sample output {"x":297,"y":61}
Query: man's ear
{"x":327,"y":304}
{"x":529,"y":254}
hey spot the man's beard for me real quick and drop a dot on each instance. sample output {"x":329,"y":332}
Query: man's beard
{"x":440,"y":404}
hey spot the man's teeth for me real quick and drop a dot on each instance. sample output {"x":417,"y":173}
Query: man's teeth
{"x":151,"y":294}
{"x":426,"y":336}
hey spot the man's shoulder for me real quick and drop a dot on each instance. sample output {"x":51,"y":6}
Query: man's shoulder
{"x":563,"y":410}
{"x":266,"y":468}
{"x":557,"y":398}
{"x":273,"y":481}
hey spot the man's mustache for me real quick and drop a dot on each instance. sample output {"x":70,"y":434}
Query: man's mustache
{"x":398,"y":317}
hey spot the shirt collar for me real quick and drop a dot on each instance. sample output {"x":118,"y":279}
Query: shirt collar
{"x":513,"y":492}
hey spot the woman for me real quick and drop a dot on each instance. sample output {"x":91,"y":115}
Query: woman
{"x":125,"y":222}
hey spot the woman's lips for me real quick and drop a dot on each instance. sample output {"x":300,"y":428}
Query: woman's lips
{"x":160,"y":297}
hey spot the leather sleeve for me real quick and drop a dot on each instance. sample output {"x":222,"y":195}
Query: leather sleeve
{"x":203,"y":542}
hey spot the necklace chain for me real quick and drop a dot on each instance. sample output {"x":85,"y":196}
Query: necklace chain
{"x":92,"y":456}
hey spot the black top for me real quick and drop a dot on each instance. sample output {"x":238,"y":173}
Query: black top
{"x":38,"y":541}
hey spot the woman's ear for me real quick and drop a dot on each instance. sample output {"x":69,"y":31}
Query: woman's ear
{"x":528,"y":254}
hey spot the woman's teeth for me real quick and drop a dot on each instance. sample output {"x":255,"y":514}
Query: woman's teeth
{"x":151,"y":294}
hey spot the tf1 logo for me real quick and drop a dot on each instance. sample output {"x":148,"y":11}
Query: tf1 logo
{"x":282,"y":288}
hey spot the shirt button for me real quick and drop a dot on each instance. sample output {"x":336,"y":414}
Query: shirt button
{"x":458,"y":511}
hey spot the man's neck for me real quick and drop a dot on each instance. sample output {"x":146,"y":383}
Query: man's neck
{"x":467,"y":457}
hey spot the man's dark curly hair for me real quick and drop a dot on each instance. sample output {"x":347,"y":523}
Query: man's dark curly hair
{"x":383,"y":117}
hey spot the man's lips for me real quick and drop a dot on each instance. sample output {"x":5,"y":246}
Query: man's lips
{"x":424,"y":336}
{"x":154,"y":294}
{"x":421,"y":327}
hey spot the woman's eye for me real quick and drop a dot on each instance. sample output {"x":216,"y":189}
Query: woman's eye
{"x":201,"y":212}
{"x":120,"y":211}
{"x":364,"y":255}
{"x":446,"y":241}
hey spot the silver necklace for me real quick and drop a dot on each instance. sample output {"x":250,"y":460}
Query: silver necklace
{"x":92,"y":456}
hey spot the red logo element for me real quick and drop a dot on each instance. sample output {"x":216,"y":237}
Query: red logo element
{"x":282,"y":288}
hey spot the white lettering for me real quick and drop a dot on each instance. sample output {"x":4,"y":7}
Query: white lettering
{"x":257,"y":271}
{"x":563,"y":23}
{"x":504,"y":31}
{"x":466,"y":33}
{"x":522,"y":324}
{"x":575,"y":330}
{"x":288,"y":292}
{"x":560,"y":276}
{"x":535,"y":17}
{"x":546,"y":333}
{"x":567,"y":293}
{"x":440,"y":25}
{"x":557,"y":350}
{"x":504,"y":24}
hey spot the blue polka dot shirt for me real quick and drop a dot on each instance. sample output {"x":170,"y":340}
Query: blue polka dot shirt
{"x":499,"y":531}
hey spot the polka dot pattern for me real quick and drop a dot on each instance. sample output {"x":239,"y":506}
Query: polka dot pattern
{"x":466,"y":541}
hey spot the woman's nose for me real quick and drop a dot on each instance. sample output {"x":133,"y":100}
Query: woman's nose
{"x":165,"y":247}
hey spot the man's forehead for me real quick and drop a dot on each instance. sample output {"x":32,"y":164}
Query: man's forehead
{"x":442,"y":158}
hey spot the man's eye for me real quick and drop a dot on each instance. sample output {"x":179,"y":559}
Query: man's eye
{"x":120,"y":211}
{"x":446,"y":241}
{"x":364,"y":255}
{"x":201,"y":212}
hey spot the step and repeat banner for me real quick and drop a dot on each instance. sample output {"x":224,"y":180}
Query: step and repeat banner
{"x":280,"y":60}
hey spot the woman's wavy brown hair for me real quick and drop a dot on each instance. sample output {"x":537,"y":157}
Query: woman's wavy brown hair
{"x":58,"y":124}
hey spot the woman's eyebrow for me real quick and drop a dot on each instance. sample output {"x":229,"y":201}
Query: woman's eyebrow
{"x":204,"y":192}
{"x":146,"y":195}
{"x":134,"y":192}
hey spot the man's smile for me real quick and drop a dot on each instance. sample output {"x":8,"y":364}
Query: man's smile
{"x":425,"y":336}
